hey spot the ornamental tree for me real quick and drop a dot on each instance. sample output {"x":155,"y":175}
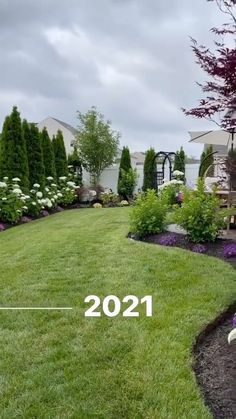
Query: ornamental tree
{"x":35,"y":154}
{"x":97,"y":143}
{"x":149,"y":170}
{"x":13,"y":158}
{"x":60,"y":155}
{"x":48,"y":154}
{"x":220,"y":66}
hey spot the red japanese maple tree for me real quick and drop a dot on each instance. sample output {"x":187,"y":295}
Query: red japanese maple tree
{"x":220,"y":65}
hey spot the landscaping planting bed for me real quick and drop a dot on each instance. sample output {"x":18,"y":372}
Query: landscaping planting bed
{"x":216,"y":248}
{"x":215,"y":366}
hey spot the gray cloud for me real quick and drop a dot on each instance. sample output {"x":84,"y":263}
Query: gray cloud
{"x":130,"y":58}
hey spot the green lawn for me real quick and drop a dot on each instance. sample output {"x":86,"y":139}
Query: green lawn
{"x":63,"y":365}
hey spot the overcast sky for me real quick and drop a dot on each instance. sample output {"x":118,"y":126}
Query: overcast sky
{"x":130,"y":58}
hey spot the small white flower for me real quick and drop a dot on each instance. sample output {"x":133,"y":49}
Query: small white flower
{"x":6,"y":178}
{"x":25,"y":208}
{"x":17,"y":191}
{"x":27,"y":197}
{"x":22,"y":198}
{"x":72,"y":184}
{"x":19,"y":211}
{"x":47,"y":189}
{"x":49,"y":178}
{"x":4,"y":199}
{"x":39,"y":194}
{"x":36,"y":185}
{"x":59,"y":195}
{"x":62,"y":177}
{"x":16,"y":179}
{"x":32,"y":191}
{"x":33,"y":203}
{"x":70,"y":166}
{"x":178,"y":173}
{"x":3,"y":185}
{"x":54,"y":185}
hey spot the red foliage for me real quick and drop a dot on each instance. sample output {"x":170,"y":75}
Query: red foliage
{"x":220,"y":65}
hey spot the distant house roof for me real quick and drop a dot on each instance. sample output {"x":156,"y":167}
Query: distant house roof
{"x":67,"y":126}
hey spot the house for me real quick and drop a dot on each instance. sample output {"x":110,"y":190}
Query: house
{"x":53,"y":125}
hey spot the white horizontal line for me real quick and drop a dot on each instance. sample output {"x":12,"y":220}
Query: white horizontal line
{"x":36,"y":308}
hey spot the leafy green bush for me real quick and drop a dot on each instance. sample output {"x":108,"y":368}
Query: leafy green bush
{"x":148,"y":214}
{"x":200,"y":214}
{"x":109,"y":199}
{"x":127,"y":182}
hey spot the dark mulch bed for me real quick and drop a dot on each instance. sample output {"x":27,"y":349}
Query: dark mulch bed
{"x":212,"y":249}
{"x":215,"y":366}
{"x":214,"y":358}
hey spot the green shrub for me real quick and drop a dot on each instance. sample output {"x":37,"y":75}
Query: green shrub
{"x":200,"y":214}
{"x":109,"y":199}
{"x":148,"y":214}
{"x":127,"y":183}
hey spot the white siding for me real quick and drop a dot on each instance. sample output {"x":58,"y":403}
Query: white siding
{"x":52,"y":127}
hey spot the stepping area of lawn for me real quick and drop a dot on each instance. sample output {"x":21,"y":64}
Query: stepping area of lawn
{"x":60,"y":364}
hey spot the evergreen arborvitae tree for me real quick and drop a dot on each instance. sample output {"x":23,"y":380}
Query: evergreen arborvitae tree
{"x":60,"y":155}
{"x":125,"y":164}
{"x":180,"y":159}
{"x":207,"y":160}
{"x":75,"y":161}
{"x":48,"y":154}
{"x":14,"y":161}
{"x":149,"y":170}
{"x":125,"y":168}
{"x":35,"y":154}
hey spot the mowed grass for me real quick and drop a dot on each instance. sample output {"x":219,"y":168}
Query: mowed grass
{"x":60,"y":364}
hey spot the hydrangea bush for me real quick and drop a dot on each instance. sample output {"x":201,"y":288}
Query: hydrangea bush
{"x":15,"y":204}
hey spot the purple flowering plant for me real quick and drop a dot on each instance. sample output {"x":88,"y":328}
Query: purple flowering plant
{"x":229,"y":250}
{"x":2,"y":227}
{"x":168,"y":240}
{"x":199,"y":248}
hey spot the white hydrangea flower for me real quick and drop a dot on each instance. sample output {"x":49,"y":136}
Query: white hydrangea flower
{"x":62,"y":178}
{"x":17,"y":191}
{"x":5,"y":178}
{"x":54,"y":185}
{"x":39,"y":194}
{"x":27,"y":197}
{"x":70,"y":183}
{"x":3,"y":185}
{"x":59,"y":195}
{"x":22,"y":198}
{"x":70,"y":166}
{"x":16,"y":179}
{"x":4,"y":199}
{"x":33,"y":203}
{"x":25,"y":208}
{"x":178,"y":173}
{"x":19,"y":211}
{"x":36,"y":185}
{"x":32,"y":191}
{"x":49,"y":178}
{"x":47,"y":189}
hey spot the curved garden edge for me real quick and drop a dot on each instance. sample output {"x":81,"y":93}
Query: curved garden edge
{"x":214,"y":359}
{"x":214,"y":365}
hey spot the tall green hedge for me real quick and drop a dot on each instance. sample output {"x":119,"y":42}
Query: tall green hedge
{"x":48,"y":154}
{"x":60,"y":155}
{"x":149,"y":170}
{"x":35,"y":154}
{"x":13,"y":158}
